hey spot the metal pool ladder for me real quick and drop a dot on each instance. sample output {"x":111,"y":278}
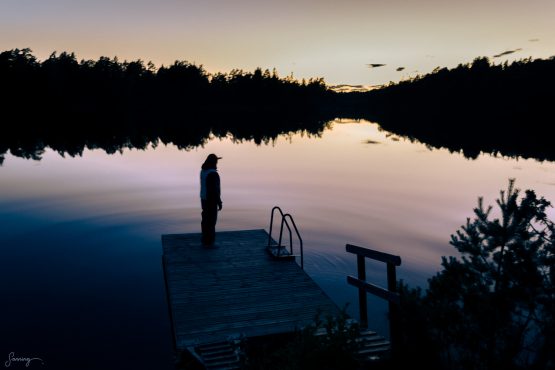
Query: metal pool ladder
{"x":278,"y":250}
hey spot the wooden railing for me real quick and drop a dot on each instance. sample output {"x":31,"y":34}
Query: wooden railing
{"x":390,"y":294}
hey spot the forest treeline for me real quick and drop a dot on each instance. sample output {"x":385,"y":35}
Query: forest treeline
{"x":70,"y":105}
{"x":124,"y":90}
{"x":504,"y":109}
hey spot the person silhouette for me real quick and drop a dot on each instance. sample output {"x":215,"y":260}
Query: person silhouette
{"x":210,"y":198}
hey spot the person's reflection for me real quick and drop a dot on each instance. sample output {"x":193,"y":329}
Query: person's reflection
{"x":210,"y":198}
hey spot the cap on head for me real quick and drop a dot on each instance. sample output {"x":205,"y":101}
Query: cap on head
{"x":211,"y":161}
{"x":213,"y":158}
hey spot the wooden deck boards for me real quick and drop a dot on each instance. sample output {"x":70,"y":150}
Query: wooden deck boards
{"x":235,"y":289}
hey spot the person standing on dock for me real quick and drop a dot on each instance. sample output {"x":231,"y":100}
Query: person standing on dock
{"x":210,"y":198}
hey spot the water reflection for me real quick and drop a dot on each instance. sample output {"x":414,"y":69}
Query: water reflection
{"x":80,"y":243}
{"x":185,"y":134}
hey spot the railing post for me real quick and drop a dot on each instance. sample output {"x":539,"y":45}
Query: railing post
{"x":363,"y":309}
{"x":290,"y":240}
{"x":281,"y":232}
{"x":390,"y":294}
{"x":393,"y":308}
{"x":302,"y":254}
{"x":271,"y":226}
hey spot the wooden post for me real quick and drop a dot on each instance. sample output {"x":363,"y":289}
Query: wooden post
{"x":393,"y":307}
{"x":361,"y":267}
{"x":363,"y":286}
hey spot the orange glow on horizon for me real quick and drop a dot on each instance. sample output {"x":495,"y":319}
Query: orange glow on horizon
{"x":305,"y":37}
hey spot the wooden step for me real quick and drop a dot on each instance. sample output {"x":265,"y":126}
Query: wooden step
{"x":280,"y":252}
{"x":219,"y":355}
{"x":372,"y":346}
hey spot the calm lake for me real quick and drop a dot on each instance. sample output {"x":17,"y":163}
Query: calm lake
{"x":80,"y":249}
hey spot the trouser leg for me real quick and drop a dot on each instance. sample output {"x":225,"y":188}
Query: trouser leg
{"x":213,"y":217}
{"x":208,"y":224}
{"x":203,"y":227}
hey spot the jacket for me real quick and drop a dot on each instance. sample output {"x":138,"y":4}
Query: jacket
{"x":210,"y":186}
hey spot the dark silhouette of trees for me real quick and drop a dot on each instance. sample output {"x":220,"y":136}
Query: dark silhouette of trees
{"x":69,"y":105}
{"x":478,"y":107}
{"x":493,"y":306}
{"x":329,"y":343}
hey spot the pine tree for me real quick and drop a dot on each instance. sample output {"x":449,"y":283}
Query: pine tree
{"x":493,"y":307}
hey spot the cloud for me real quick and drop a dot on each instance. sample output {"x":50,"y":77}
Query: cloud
{"x":375,"y":65}
{"x":370,"y":141}
{"x":399,"y":69}
{"x":349,"y":88}
{"x":506,"y":52}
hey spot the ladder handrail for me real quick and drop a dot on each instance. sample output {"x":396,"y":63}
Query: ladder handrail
{"x":284,"y":221}
{"x":298,"y":236}
{"x":272,"y":224}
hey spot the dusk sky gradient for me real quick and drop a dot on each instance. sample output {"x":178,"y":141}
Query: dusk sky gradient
{"x":331,"y":39}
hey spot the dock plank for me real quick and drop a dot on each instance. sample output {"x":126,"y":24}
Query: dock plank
{"x":236,"y":289}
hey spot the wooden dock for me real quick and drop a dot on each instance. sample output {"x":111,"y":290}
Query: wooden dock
{"x":235,"y":289}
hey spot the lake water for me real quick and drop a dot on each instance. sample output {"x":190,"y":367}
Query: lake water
{"x":80,"y":250}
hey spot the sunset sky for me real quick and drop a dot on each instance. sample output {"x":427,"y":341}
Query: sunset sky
{"x":337,"y":40}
